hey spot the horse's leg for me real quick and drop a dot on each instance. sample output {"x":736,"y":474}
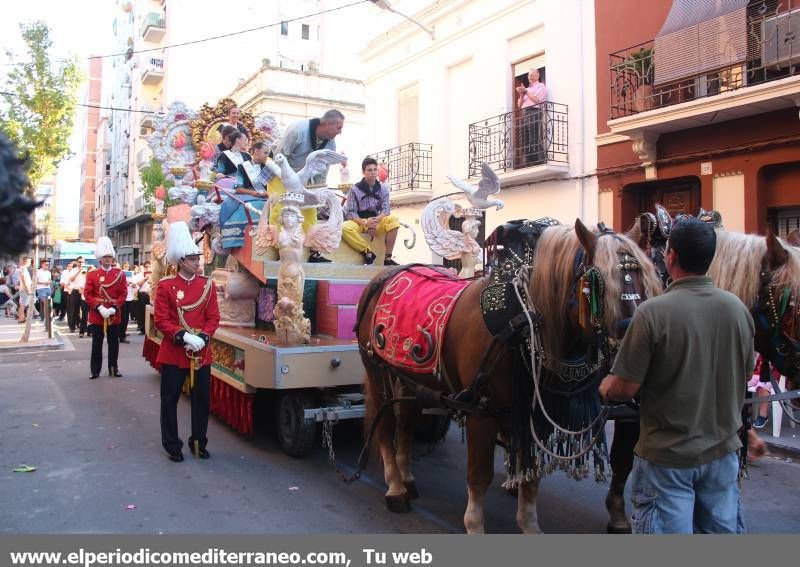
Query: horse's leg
{"x":396,"y":499}
{"x":481,"y":437}
{"x":405,"y":414}
{"x":527,"y":519}
{"x":626,"y":433}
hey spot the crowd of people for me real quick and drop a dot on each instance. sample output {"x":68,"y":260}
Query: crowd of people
{"x":62,"y":290}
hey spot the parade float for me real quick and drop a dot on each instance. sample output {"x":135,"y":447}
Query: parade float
{"x":286,"y":336}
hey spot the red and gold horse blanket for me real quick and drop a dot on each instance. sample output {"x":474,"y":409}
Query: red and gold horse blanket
{"x":411,"y":316}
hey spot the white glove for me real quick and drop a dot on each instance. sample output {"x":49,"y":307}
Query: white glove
{"x":104,"y":312}
{"x":193,"y":342}
{"x":112,"y":311}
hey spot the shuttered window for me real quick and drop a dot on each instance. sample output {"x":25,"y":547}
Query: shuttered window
{"x":700,"y":36}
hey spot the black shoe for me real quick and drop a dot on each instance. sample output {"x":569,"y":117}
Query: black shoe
{"x":369,"y":257}
{"x":80,"y":336}
{"x":114,"y":373}
{"x":387,"y":261}
{"x":197,"y":451}
{"x":760,"y":422}
{"x":316,"y":258}
{"x":93,"y":377}
{"x":177,"y":457}
{"x":126,"y":341}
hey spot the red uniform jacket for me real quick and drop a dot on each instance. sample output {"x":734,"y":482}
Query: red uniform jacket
{"x":106,"y":288}
{"x":172,"y":293}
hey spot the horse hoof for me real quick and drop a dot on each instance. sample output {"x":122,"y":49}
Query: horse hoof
{"x":618,"y":528}
{"x":398,"y":504}
{"x":411,"y":489}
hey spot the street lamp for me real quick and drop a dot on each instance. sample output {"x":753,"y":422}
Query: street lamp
{"x":385,"y":5}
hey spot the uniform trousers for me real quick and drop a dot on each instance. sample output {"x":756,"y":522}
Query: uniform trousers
{"x":141,"y":309}
{"x":172,"y":379}
{"x":96,"y":331}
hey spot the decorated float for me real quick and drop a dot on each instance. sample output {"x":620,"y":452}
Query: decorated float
{"x":286,"y":333}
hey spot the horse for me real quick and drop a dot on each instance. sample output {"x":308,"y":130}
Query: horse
{"x":765,"y":274}
{"x":583,"y":285}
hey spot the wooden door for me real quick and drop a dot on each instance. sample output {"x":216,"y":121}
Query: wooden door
{"x":677,"y":196}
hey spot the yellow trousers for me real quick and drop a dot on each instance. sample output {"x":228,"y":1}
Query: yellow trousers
{"x":352,"y":231}
{"x":275,"y":189}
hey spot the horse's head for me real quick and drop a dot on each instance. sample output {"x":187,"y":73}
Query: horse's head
{"x":765,"y":274}
{"x":651,"y":231}
{"x":587,"y":285}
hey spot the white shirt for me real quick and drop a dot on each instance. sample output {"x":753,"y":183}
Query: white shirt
{"x":24,"y":278}
{"x":43,"y":278}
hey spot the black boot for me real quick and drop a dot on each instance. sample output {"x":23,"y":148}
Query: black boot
{"x":114,"y":372}
{"x":316,"y":258}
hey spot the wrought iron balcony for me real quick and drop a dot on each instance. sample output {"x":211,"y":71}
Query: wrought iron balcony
{"x":525,"y":138}
{"x":772,"y":46}
{"x":154,"y":27}
{"x":409,"y":167}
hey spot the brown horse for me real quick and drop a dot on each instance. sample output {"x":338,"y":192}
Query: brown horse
{"x":622,"y":276}
{"x":765,"y":274}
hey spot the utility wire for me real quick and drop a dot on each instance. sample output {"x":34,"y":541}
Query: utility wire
{"x":100,"y":107}
{"x":221,"y":36}
{"x":205,"y":39}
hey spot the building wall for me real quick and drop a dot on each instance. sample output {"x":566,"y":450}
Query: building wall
{"x":465,"y":75}
{"x":87,"y":195}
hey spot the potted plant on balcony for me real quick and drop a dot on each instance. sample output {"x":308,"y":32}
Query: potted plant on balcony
{"x":640,"y":65}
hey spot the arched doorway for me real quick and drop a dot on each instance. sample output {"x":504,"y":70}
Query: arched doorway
{"x":779,"y":196}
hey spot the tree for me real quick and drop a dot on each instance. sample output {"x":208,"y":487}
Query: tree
{"x":40,"y":95}
{"x":152,"y":176}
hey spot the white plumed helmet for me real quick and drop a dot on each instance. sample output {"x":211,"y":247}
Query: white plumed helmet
{"x":180,"y":243}
{"x":104,"y":248}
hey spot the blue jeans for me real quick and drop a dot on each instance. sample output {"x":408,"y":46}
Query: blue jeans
{"x":703,"y":499}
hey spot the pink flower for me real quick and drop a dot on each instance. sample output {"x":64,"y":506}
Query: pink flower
{"x":179,"y":140}
{"x":161,"y":191}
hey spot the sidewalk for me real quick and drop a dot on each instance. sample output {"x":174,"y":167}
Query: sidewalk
{"x":11,"y":331}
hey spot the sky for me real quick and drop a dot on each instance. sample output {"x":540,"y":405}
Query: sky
{"x":79,"y":28}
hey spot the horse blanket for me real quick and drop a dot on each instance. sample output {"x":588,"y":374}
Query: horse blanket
{"x":411,"y":316}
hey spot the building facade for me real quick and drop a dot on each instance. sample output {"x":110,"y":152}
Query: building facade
{"x":86,"y":224}
{"x":698,"y":107}
{"x":442,"y":101}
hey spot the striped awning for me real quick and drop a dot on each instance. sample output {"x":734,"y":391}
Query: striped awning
{"x":700,"y":36}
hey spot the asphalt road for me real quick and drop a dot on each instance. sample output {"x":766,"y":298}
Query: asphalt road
{"x":101,"y":469}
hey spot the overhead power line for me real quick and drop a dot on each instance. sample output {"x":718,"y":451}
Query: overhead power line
{"x":212,"y":38}
{"x":98,"y":106}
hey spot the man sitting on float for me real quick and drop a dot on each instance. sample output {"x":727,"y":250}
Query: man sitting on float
{"x":249,"y":187}
{"x":367,"y":211}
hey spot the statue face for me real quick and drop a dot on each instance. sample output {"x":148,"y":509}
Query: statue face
{"x":290,"y":218}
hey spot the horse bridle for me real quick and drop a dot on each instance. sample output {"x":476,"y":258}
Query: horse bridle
{"x":774,"y":311}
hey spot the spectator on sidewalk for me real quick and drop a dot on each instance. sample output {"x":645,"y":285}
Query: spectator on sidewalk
{"x":63,"y":281}
{"x":57,"y":294}
{"x":5,"y":298}
{"x":128,"y":307}
{"x":44,"y":281}
{"x":25,"y":283}
{"x":78,"y":309}
{"x":143,"y":281}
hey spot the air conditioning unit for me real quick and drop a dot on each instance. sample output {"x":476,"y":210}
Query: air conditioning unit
{"x":780,"y":38}
{"x":312,"y":66}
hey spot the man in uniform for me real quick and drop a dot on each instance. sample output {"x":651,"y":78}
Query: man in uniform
{"x":187,"y":314}
{"x":105,"y":292}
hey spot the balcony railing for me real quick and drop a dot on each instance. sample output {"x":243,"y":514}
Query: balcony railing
{"x":154,"y":27}
{"x":773,"y":52}
{"x":409,"y":166}
{"x":523,"y":138}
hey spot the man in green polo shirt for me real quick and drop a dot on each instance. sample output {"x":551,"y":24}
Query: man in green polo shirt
{"x":688,"y":354}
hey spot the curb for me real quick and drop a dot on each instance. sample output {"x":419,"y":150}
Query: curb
{"x":56,"y":343}
{"x":779,"y":449}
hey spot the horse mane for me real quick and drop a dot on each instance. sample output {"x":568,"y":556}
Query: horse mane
{"x":552,"y":283}
{"x":737,"y":266}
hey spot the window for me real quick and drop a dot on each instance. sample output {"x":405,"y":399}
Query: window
{"x":408,"y":115}
{"x":284,"y":28}
{"x":305,"y":30}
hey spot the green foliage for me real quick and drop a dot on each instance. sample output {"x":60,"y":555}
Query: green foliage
{"x":40,"y":104}
{"x":152,"y":175}
{"x":641,"y":63}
